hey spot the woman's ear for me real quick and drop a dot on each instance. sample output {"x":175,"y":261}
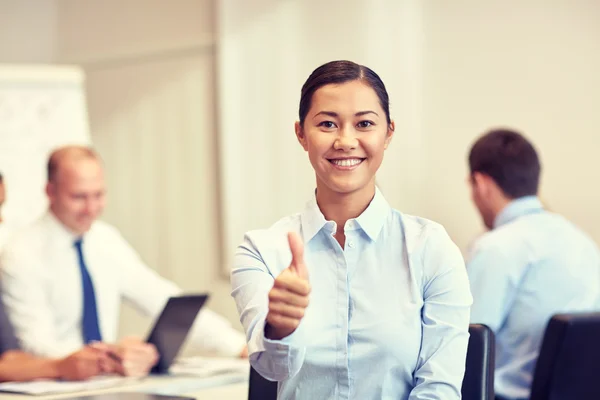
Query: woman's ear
{"x":300,"y":135}
{"x":389,"y":134}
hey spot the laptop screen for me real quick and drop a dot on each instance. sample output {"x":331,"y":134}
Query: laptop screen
{"x":172,"y":327}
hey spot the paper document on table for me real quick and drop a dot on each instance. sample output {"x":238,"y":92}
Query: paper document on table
{"x":39,"y":387}
{"x":210,"y":366}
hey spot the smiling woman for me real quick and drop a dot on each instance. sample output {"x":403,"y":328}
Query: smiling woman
{"x":371,"y":274}
{"x":345,"y":128}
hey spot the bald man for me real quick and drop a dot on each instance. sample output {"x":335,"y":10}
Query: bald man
{"x":17,"y":365}
{"x":65,"y":276}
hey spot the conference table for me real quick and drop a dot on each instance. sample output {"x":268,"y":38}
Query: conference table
{"x":222,"y":387}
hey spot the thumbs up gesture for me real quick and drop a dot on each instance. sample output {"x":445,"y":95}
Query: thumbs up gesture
{"x":289,"y":296}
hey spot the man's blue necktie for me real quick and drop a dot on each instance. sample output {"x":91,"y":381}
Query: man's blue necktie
{"x":90,"y":327}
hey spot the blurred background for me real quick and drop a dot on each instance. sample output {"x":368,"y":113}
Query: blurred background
{"x":191,"y":104}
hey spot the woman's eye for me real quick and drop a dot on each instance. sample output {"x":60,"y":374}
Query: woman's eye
{"x":365,"y":124}
{"x":327,"y":124}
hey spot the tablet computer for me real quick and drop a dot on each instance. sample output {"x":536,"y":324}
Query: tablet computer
{"x":172,"y":327}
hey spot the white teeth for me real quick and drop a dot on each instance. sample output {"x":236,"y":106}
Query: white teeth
{"x":347,"y":162}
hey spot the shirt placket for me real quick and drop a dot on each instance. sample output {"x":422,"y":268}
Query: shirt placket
{"x":351,"y":253}
{"x":342,"y":300}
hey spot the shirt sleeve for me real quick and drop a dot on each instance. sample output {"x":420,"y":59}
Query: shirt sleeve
{"x":251,"y":282}
{"x":8,"y":340}
{"x":29,"y":311}
{"x":493,"y":281}
{"x":445,"y":321}
{"x":149,"y":292}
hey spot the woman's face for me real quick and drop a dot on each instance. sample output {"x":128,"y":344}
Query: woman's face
{"x":345,"y":133}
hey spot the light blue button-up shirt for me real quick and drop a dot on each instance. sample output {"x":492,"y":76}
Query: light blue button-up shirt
{"x":388,"y":315}
{"x":532,"y":265}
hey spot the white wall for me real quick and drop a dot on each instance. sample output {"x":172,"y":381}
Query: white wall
{"x":532,"y":66}
{"x":27,"y":31}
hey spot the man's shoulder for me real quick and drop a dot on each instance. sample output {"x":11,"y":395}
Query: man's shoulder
{"x":494,"y":240}
{"x":570,"y":229}
{"x":534,"y":232}
{"x":515,"y":241}
{"x":27,"y":239}
{"x":25,"y":249}
{"x":105,"y":234}
{"x":104,"y":228}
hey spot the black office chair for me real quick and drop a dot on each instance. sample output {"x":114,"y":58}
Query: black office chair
{"x":261,"y":388}
{"x":568,"y":367}
{"x":478,"y":383}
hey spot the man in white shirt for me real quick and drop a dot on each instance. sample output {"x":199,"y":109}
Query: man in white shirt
{"x":87,"y":362}
{"x":65,"y":276}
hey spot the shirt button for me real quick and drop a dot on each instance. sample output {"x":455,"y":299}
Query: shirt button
{"x":351,"y":244}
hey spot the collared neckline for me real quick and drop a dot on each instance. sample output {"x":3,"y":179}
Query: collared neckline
{"x":370,"y":221}
{"x":59,"y":231}
{"x":517,"y":208}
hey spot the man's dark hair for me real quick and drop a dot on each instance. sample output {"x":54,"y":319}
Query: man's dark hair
{"x":509,"y":159}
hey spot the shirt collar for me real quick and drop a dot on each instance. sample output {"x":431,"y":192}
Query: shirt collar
{"x":370,"y":221}
{"x":517,"y":208}
{"x":58,"y":230}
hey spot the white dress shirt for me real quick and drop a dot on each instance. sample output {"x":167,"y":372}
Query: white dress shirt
{"x":42,"y":289}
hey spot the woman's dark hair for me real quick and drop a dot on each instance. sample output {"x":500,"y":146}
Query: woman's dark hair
{"x":335,"y":72}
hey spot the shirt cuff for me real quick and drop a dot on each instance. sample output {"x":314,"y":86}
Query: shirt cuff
{"x":276,"y":360}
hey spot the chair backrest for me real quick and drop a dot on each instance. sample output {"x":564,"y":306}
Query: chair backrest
{"x":478,"y":383}
{"x":569,"y":361}
{"x":261,"y":388}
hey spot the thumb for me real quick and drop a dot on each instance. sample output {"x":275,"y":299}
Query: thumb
{"x":297,"y":249}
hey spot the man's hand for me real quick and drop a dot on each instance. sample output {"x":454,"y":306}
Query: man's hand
{"x":136,"y":356}
{"x":83,"y":364}
{"x":244,"y":353}
{"x":130,"y":357}
{"x":288,"y":298}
